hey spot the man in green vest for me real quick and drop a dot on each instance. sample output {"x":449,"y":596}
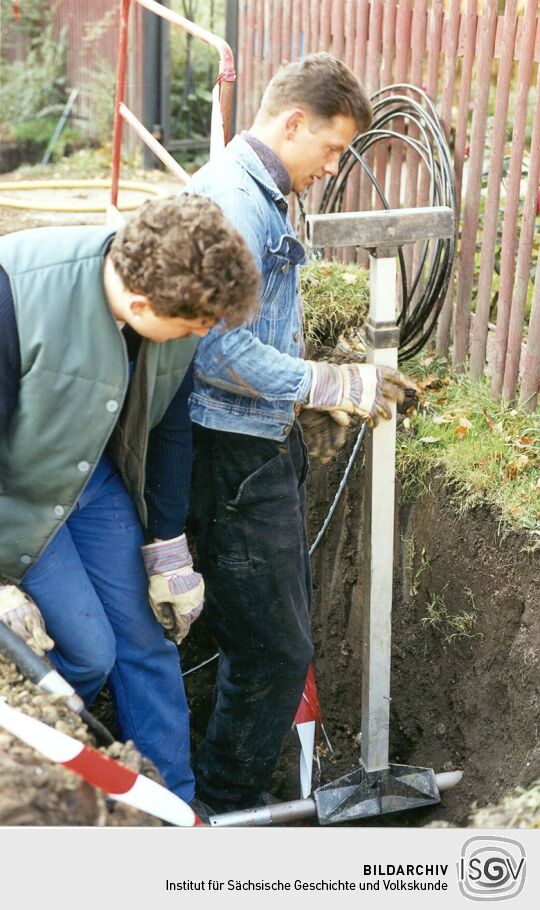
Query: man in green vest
{"x":97,"y":332}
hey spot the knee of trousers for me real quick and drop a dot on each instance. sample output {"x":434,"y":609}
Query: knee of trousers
{"x":286,"y":663}
{"x":90,"y":664}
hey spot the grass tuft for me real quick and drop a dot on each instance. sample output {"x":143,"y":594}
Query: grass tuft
{"x":336,"y":299}
{"x":488,"y":451}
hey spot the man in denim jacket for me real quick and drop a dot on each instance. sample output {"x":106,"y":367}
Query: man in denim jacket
{"x":250,"y":459}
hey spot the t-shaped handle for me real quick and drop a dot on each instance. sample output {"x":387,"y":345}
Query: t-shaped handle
{"x":380,"y":232}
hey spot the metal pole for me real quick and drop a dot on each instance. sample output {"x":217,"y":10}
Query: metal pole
{"x":231,"y":37}
{"x":151,"y":82}
{"x":379,"y":496}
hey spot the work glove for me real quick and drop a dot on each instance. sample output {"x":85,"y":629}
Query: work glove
{"x":175,"y":591}
{"x":323,"y":435}
{"x":20,"y":614}
{"x":356,"y":388}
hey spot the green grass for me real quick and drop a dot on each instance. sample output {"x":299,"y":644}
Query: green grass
{"x":450,"y":625}
{"x":336,"y":299}
{"x":487,"y":450}
{"x":520,"y":809}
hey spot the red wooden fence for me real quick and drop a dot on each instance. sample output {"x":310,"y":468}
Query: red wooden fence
{"x":481,"y":68}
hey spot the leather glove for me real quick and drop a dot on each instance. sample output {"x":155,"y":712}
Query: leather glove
{"x":20,"y":614}
{"x":175,"y":591}
{"x":323,"y":435}
{"x":356,"y":388}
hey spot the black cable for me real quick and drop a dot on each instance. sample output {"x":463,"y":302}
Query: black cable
{"x":423,"y":293}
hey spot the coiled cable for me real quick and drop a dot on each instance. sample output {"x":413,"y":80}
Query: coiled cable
{"x":423,"y":293}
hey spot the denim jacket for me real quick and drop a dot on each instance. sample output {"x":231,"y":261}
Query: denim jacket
{"x":251,"y":379}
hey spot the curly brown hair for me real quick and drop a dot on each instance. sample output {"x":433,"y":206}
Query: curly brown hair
{"x":188,"y":260}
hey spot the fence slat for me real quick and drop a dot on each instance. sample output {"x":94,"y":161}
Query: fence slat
{"x":286,"y":32}
{"x":388,"y":48}
{"x":269,"y":13}
{"x":486,"y":31}
{"x":434,"y":44}
{"x":241,"y":65}
{"x":531,"y":369}
{"x":403,"y":29}
{"x":450,"y":47}
{"x":491,"y":217}
{"x":418,"y":44}
{"x":325,"y":25}
{"x":508,"y":245}
{"x":350,"y":28}
{"x":526,"y":237}
{"x":338,"y":28}
{"x":296,"y":29}
{"x":258,"y":38}
{"x":312,"y":40}
{"x":307,"y":16}
{"x":469,"y":44}
{"x":373,"y":66}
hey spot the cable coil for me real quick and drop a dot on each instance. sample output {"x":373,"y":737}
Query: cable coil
{"x":423,"y":294}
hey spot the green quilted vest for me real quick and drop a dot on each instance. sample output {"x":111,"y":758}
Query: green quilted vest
{"x":74,"y":380}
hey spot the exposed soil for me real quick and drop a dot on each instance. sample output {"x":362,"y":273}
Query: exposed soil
{"x":465,"y":686}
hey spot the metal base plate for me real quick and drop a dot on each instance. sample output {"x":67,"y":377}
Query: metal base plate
{"x":361,"y":793}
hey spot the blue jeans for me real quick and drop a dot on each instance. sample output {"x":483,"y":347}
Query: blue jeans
{"x":249,"y":507}
{"x":92,"y":590}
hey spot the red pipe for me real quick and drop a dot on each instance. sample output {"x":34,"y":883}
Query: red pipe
{"x":120,"y":93}
{"x":225,"y":80}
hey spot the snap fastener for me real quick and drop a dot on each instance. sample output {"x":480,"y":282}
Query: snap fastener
{"x":284,"y":268}
{"x":25,"y":559}
{"x":112,"y":405}
{"x":83,"y":467}
{"x":59,"y":511}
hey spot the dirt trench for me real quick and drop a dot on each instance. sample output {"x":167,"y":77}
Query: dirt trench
{"x":465,"y":643}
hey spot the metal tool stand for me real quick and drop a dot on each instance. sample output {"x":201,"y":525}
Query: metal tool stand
{"x":377,"y":786}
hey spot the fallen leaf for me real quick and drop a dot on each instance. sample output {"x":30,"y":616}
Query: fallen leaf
{"x":464,"y":426}
{"x":440,"y":418}
{"x":429,"y":382}
{"x":429,"y":439}
{"x":349,"y":278}
{"x":442,"y":400}
{"x":516,"y":466}
{"x":524,"y":442}
{"x":490,"y":422}
{"x":407,"y":423}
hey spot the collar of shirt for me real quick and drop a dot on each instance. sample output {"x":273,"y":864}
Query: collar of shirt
{"x":272,"y":163}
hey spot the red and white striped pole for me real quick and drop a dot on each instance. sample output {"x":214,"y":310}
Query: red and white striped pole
{"x":114,"y":778}
{"x":306,"y":720}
